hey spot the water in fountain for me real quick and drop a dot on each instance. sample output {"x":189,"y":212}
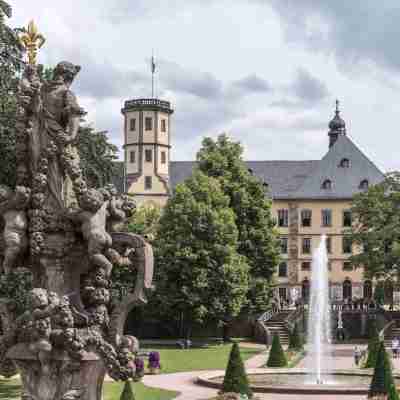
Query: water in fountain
{"x":319,"y":321}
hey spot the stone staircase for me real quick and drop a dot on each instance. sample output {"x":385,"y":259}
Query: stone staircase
{"x":277,"y":325}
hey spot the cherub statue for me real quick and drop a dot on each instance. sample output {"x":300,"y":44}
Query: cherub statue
{"x":93,"y":215}
{"x":38,"y":323}
{"x":119,"y":207}
{"x":12,"y":207}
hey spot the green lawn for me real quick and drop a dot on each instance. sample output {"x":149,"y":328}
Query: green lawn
{"x":10,"y":390}
{"x":214,"y":357}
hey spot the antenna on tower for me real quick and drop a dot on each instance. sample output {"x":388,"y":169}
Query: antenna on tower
{"x":153,"y":70}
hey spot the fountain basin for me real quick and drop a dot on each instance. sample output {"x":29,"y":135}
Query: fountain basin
{"x":297,"y":381}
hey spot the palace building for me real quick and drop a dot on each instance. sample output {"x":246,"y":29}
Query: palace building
{"x":310,"y":198}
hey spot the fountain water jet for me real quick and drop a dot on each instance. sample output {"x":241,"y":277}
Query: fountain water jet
{"x":319,"y":318}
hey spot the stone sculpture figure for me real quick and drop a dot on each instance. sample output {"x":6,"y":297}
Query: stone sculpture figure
{"x":69,"y":335}
{"x":13,"y":206}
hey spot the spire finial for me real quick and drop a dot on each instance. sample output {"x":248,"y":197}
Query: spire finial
{"x":153,"y":70}
{"x":32,"y":41}
{"x":337,"y":107}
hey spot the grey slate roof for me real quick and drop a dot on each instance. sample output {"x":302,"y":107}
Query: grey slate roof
{"x":303,"y":179}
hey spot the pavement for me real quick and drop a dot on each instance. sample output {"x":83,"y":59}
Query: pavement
{"x":184,"y":382}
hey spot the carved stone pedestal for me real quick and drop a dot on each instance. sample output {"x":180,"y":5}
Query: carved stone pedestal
{"x":61,"y":378}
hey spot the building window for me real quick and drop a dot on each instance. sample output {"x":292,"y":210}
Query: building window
{"x":148,"y":155}
{"x":367,"y":290}
{"x":163,"y":125}
{"x":282,"y":270}
{"x":329,"y":245}
{"x":305,"y":266}
{"x":306,"y":217}
{"x":283,"y":217}
{"x":345,"y":163}
{"x":347,"y":266}
{"x":326,"y":218}
{"x":284,"y":245}
{"x":347,"y":218}
{"x":283,"y":293}
{"x":305,"y":290}
{"x":163,"y":157}
{"x":148,"y":123}
{"x":364,"y":184}
{"x":327,"y":184}
{"x":133,"y":124}
{"x":329,"y":266}
{"x":347,"y":289}
{"x":347,"y":245}
{"x":306,"y":246}
{"x":133,"y":156}
{"x":148,"y":182}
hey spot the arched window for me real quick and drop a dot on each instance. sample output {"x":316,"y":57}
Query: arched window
{"x":282,"y":270}
{"x":367,"y":290}
{"x":305,"y":290}
{"x":347,"y":289}
{"x":364,"y":184}
{"x":327,"y":184}
{"x":345,"y":163}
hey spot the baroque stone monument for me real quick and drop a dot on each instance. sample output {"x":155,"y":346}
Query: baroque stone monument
{"x":67,"y":235}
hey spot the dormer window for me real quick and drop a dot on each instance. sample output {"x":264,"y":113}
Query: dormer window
{"x":364,"y":184}
{"x":344,"y":163}
{"x":327,"y":184}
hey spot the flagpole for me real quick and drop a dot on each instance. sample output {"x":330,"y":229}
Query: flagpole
{"x":153,"y":69}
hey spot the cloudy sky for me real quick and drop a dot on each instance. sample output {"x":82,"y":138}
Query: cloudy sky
{"x":265,"y":71}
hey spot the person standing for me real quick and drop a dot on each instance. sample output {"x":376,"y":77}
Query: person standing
{"x":395,"y":347}
{"x":357,"y":355}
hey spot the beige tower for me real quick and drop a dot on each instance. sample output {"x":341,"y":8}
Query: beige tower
{"x":146,"y":149}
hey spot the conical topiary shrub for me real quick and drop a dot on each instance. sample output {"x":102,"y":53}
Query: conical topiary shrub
{"x":382,"y":382}
{"x":373,"y":346}
{"x":235,"y":380}
{"x":277,"y":356}
{"x":127,"y":393}
{"x":295,"y":340}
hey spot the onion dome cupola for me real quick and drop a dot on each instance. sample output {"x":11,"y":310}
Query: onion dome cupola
{"x":337,"y":126}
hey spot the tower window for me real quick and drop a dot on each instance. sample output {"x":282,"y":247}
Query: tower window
{"x":326,"y":218}
{"x":133,"y":156}
{"x":133,"y":124}
{"x":163,"y":125}
{"x":148,"y":123}
{"x":306,"y":245}
{"x":345,"y":163}
{"x":347,"y":218}
{"x":148,"y":154}
{"x":347,"y":266}
{"x":364,"y":184}
{"x":327,"y":184}
{"x":148,"y":182}
{"x":306,"y":218}
{"x":282,"y":271}
{"x":163,"y":157}
{"x":283,"y":217}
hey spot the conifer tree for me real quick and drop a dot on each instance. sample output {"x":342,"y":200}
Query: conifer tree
{"x":235,"y":380}
{"x":277,"y":357}
{"x":127,"y":393}
{"x":382,"y":381}
{"x":373,"y":346}
{"x":295,"y":340}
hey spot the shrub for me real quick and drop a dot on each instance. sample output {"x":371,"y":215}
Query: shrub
{"x":235,"y":380}
{"x":154,"y":360}
{"x":127,"y":393}
{"x":277,"y":356}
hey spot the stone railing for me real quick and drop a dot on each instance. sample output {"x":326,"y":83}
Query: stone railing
{"x":148,"y":102}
